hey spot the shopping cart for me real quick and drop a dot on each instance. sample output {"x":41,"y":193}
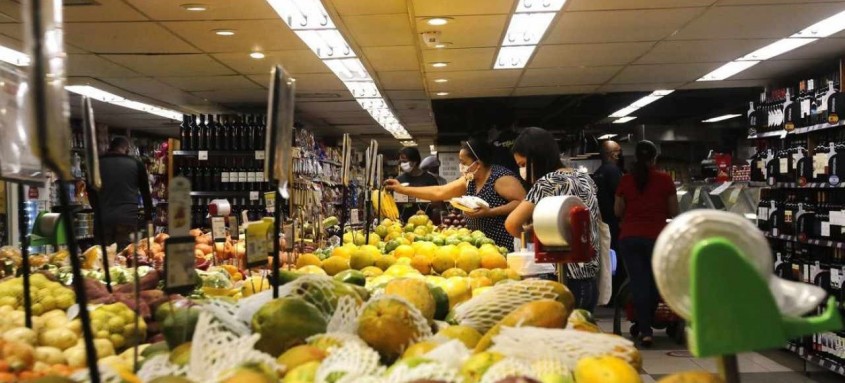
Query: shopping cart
{"x":664,"y":317}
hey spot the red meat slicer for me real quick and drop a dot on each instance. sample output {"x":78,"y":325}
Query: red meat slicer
{"x":561,"y":231}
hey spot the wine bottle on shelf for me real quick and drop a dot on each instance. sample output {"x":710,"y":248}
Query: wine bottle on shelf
{"x":775,"y":215}
{"x":185,"y":132}
{"x":188,"y":172}
{"x":789,"y":107}
{"x":250,"y":178}
{"x":223,"y":125}
{"x":751,"y":118}
{"x":244,"y":134}
{"x":822,"y":101}
{"x":216,"y":177}
{"x":242,"y":176}
{"x":763,"y":210}
{"x":260,"y":134}
{"x":821,"y":226}
{"x":805,"y":219}
{"x":224,"y":176}
{"x":836,"y":160}
{"x":214,"y":134}
{"x":834,"y":105}
{"x":195,"y":132}
{"x":814,"y":107}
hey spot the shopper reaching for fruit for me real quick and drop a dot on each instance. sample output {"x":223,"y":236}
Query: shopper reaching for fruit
{"x":496,"y":185}
{"x":538,"y":156}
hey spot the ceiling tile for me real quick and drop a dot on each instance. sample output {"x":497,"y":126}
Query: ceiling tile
{"x":13,"y":38}
{"x":209,"y":83}
{"x":329,"y":106}
{"x":95,"y":66}
{"x":476,"y":93}
{"x":725,"y":84}
{"x":459,"y":59}
{"x":661,"y":73}
{"x":103,"y":10}
{"x":551,"y":90}
{"x":618,"y":26}
{"x":153,"y":89}
{"x":261,"y":35}
{"x":550,"y":56}
{"x":392,"y":58}
{"x":380,"y":30}
{"x":334,"y":119}
{"x":462,"y":7}
{"x":10,"y":11}
{"x":648,"y":87}
{"x":700,"y":51}
{"x":604,"y":5}
{"x":412,"y":105}
{"x":568,"y":76}
{"x":769,"y":21}
{"x":473,"y":79}
{"x":400,"y":80}
{"x":172,"y":65}
{"x":369,"y":7}
{"x":820,"y":49}
{"x":406,"y":95}
{"x":746,"y":2}
{"x":307,"y":82}
{"x":217,"y":10}
{"x":234,"y":95}
{"x":773,"y":69}
{"x":141,"y":37}
{"x":295,"y":62}
{"x":468,"y":31}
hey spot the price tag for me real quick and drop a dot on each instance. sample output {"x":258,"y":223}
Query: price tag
{"x":783,"y":165}
{"x":353,"y":216}
{"x":721,"y":188}
{"x":825,"y":231}
{"x":218,"y":229}
{"x":233,"y":228}
{"x":270,"y":201}
{"x":256,"y":244}
{"x":203,"y":155}
{"x":259,"y":154}
{"x":253,"y":196}
{"x":179,"y":211}
{"x":400,"y":198}
{"x":180,"y":274}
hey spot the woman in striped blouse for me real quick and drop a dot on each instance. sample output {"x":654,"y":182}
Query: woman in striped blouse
{"x":538,"y":156}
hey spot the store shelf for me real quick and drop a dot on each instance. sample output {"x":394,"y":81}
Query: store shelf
{"x":817,"y":242}
{"x":797,"y":131}
{"x":817,"y":359}
{"x":220,"y":193}
{"x":795,"y":185}
{"x":216,"y":153}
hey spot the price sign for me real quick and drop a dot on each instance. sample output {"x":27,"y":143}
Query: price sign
{"x":270,"y":201}
{"x":179,"y":210}
{"x":253,"y":196}
{"x":180,"y":274}
{"x":256,"y":244}
{"x":218,"y":229}
{"x":259,"y":154}
{"x":203,"y":155}
{"x":353,"y":216}
{"x":233,"y":228}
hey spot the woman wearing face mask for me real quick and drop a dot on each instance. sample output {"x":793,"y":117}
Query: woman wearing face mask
{"x":537,"y":154}
{"x":496,"y":185}
{"x":411,"y":174}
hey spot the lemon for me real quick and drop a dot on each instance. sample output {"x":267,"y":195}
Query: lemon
{"x":385,"y":261}
{"x":333,"y":265}
{"x":467,"y":335}
{"x":454,"y":272}
{"x":342,"y":252}
{"x":311,"y":269}
{"x":399,"y":270}
{"x":307,"y":259}
{"x":469,"y":259}
{"x":371,"y":271}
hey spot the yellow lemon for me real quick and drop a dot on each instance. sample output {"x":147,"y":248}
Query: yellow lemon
{"x":404,"y":251}
{"x":311,"y":269}
{"x":307,"y":259}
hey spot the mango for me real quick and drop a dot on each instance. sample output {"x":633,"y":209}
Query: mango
{"x":545,"y":313}
{"x":605,"y":369}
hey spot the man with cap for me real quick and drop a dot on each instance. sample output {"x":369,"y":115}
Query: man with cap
{"x":431,"y":165}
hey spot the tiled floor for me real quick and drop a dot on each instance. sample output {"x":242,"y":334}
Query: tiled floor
{"x":775,"y":366}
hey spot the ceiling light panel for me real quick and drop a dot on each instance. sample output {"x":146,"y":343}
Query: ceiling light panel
{"x":101,"y":95}
{"x":513,"y":57}
{"x":776,"y":48}
{"x":526,"y":29}
{"x":624,"y":120}
{"x":824,"y":28}
{"x":654,"y":96}
{"x":722,"y":118}
{"x":13,"y":57}
{"x":527,"y":6}
{"x":310,"y":20}
{"x":728,"y":70}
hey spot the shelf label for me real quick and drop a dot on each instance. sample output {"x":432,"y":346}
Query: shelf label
{"x":218,"y":229}
{"x":253,"y":196}
{"x":259,"y":154}
{"x":233,"y":228}
{"x":179,"y":211}
{"x":270,"y":201}
{"x":825,"y":231}
{"x":353,"y":216}
{"x":203,"y":155}
{"x":179,"y":264}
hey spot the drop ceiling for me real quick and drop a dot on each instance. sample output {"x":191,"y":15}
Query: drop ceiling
{"x":158,"y":52}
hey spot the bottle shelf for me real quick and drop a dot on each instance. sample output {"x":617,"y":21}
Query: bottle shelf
{"x":819,"y":360}
{"x":817,"y":242}
{"x":796,"y":131}
{"x":217,"y":153}
{"x":230,"y":194}
{"x":795,"y":185}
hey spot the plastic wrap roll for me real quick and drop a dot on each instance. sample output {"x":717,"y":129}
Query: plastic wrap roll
{"x":551,"y":219}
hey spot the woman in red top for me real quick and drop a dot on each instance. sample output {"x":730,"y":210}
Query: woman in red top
{"x":645,"y":199}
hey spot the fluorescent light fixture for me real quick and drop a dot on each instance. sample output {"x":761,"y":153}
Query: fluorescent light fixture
{"x":652,"y":97}
{"x":824,"y":28}
{"x":441,"y":80}
{"x":513,"y":57}
{"x":441,"y":45}
{"x":363,"y":89}
{"x":408,"y":143}
{"x":13,"y":57}
{"x":372,"y":103}
{"x":728,"y":70}
{"x":527,"y":6}
{"x":224,"y":32}
{"x":442,"y":93}
{"x":437,"y":21}
{"x":349,"y":69}
{"x":257,"y":55}
{"x":607,"y":136}
{"x":326,"y":43}
{"x":624,"y":120}
{"x":527,"y":28}
{"x":440,"y":64}
{"x":194,"y":7}
{"x":722,"y":118}
{"x":101,"y":95}
{"x":303,"y":14}
{"x":776,"y":48}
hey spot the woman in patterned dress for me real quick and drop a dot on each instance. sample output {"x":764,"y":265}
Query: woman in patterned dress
{"x":496,"y":185}
{"x":538,"y":156}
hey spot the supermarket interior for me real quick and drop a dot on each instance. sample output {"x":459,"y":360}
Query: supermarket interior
{"x":422,"y":191}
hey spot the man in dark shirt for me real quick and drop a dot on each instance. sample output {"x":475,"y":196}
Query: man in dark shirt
{"x":410,"y":173}
{"x":124,"y":178}
{"x":607,"y":178}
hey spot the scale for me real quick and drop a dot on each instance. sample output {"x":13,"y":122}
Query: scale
{"x":714,"y":269}
{"x":562,"y":233}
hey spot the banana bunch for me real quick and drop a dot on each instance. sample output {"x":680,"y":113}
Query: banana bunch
{"x":388,"y":204}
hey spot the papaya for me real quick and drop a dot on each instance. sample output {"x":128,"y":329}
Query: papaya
{"x":441,"y":302}
{"x":350,"y":276}
{"x":414,"y":291}
{"x":605,"y":369}
{"x":388,"y":327}
{"x":545,"y":313}
{"x":692,"y":377}
{"x":286,"y":322}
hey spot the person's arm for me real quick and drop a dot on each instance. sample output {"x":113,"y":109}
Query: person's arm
{"x":619,"y":206}
{"x":508,"y":188}
{"x":519,"y":217}
{"x":144,"y":189}
{"x":673,"y":208}
{"x":453,"y":189}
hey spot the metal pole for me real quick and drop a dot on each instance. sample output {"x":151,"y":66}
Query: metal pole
{"x":277,"y":226}
{"x":728,"y":368}
{"x":25,"y":267}
{"x":100,"y":235}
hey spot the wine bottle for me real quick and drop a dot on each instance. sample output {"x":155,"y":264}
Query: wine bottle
{"x":260,"y":135}
{"x":763,"y":210}
{"x":805,"y":219}
{"x":751,"y":118}
{"x":213,"y":132}
{"x":789,"y":107}
{"x":834,"y":105}
{"x":775,"y":217}
{"x":195,"y":133}
{"x":235,"y":131}
{"x":821,"y":226}
{"x":185,"y":132}
{"x":216,"y":177}
{"x":244,"y":134}
{"x":188,"y":173}
{"x":224,"y":176}
{"x":250,"y":178}
{"x":242,"y":176}
{"x":814,"y":107}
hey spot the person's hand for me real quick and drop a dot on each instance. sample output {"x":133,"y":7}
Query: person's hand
{"x":482,"y":211}
{"x":392,"y":184}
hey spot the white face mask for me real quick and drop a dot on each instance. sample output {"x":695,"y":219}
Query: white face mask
{"x":464,"y":169}
{"x":523,"y":172}
{"x":406,"y":167}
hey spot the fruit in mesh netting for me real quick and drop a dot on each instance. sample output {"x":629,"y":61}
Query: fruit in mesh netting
{"x":300,"y":355}
{"x":414,"y":291}
{"x":286,"y":322}
{"x":389,"y":325}
{"x":544,"y":313}
{"x":605,"y":369}
{"x":474,"y":368}
{"x":467,"y":335}
{"x":583,"y":320}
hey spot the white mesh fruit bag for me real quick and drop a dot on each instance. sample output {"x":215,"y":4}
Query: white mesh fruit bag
{"x":427,"y":371}
{"x":345,"y":316}
{"x":566,"y":346}
{"x":107,"y":375}
{"x":214,"y":350}
{"x":415,"y":316}
{"x":506,"y":368}
{"x":486,"y":310}
{"x":451,"y":353}
{"x":158,"y":366}
{"x":319,"y":290}
{"x":352,"y":360}
{"x":227,"y":313}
